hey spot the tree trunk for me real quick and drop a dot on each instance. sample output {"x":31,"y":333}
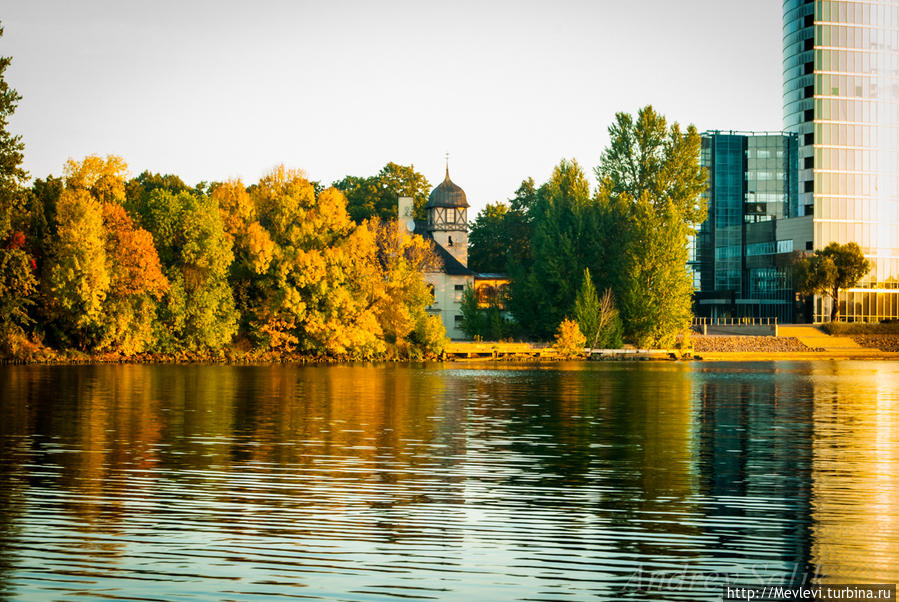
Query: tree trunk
{"x":835,"y":307}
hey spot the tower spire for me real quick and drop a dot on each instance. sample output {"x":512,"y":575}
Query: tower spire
{"x":447,"y":165}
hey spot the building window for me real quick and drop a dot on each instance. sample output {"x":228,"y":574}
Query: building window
{"x":457,"y":320}
{"x":459,"y":288}
{"x":808,"y":186}
{"x":809,"y":162}
{"x":785,"y":246}
{"x":450,"y":239}
{"x":809,"y":245}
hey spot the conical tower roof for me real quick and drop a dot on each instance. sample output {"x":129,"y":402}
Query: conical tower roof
{"x":447,"y":194}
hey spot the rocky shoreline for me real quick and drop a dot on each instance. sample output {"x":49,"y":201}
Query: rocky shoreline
{"x":884,"y":342}
{"x":748,"y":344}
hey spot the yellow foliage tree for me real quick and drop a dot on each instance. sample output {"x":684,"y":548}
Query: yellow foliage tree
{"x":409,"y":330}
{"x":104,"y":178}
{"x":79,"y":278}
{"x":569,"y":339}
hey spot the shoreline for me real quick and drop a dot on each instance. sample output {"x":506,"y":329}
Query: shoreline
{"x":647,"y":356}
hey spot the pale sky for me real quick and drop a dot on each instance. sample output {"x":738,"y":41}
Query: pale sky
{"x":211,"y":90}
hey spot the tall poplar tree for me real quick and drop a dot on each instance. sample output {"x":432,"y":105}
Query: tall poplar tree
{"x":650,"y":185}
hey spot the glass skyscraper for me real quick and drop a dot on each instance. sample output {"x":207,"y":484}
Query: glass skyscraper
{"x":744,"y":250}
{"x":841,"y":97}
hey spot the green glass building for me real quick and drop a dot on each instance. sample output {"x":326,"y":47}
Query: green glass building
{"x":744,"y":249}
{"x":841,"y":98}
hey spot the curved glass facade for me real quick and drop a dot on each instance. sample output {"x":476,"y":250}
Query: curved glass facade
{"x":841,"y":96}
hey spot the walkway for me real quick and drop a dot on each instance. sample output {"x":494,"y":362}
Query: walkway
{"x":818,"y":339}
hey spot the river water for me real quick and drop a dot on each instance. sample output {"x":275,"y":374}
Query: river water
{"x":653,"y":481}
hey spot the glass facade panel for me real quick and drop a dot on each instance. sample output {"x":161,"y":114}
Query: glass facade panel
{"x":853,"y":178}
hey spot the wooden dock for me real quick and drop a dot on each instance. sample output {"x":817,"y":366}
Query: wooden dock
{"x":499,"y":350}
{"x":462,"y":350}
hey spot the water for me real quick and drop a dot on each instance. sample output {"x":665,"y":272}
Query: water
{"x":652,"y":481}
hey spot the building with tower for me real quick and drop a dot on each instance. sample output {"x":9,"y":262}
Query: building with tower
{"x":841,"y":98}
{"x":447,"y":226}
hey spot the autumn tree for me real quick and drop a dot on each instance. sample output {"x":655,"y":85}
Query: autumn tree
{"x":104,"y":276}
{"x":829,"y":270}
{"x":409,"y":331}
{"x":307,"y":301}
{"x":78,"y":279}
{"x":136,"y":284}
{"x":569,"y":340}
{"x":253,"y":247}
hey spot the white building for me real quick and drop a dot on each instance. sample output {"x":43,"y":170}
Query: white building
{"x":447,"y":226}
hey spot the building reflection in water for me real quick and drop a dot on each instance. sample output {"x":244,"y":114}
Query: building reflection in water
{"x":855,"y":473}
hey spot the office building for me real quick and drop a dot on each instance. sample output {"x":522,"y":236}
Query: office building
{"x":841,"y":98}
{"x":742,"y":254}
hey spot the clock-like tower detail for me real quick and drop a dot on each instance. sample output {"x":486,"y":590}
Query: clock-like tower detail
{"x":448,"y":218}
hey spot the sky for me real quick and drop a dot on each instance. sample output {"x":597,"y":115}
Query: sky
{"x":213,"y":90}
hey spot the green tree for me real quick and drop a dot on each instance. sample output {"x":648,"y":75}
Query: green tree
{"x":655,"y":297}
{"x":12,"y":175}
{"x":649,"y":203}
{"x":17,"y":285}
{"x":596,"y":316}
{"x":484,"y":320}
{"x":137,"y":190}
{"x":829,"y":270}
{"x":647,"y":158}
{"x":544,"y":285}
{"x":488,"y":240}
{"x":500,"y":236}
{"x":376,"y":196}
{"x":474,"y":322}
{"x":17,"y":266}
{"x":198,"y":312}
